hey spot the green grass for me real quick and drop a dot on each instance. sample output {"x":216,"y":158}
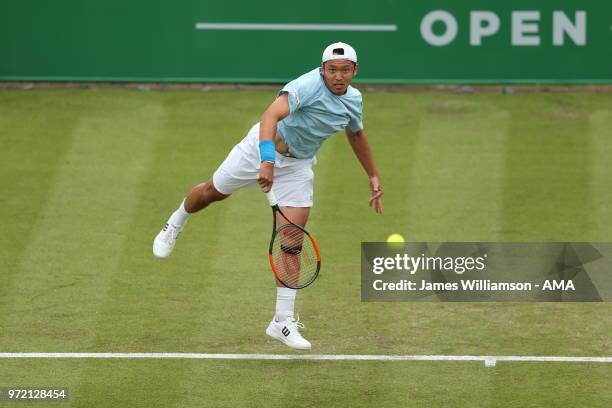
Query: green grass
{"x":89,"y":177}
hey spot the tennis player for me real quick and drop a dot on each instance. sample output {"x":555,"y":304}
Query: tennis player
{"x":279,"y":151}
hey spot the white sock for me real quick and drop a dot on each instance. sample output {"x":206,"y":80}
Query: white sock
{"x":180,"y":216}
{"x":285,"y":301}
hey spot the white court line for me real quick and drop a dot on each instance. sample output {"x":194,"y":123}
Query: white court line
{"x":296,"y":27}
{"x":489,"y":361}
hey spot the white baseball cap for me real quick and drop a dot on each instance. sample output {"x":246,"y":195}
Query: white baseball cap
{"x":338,"y":51}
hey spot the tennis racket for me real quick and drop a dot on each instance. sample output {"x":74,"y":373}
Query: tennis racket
{"x":294,"y":254}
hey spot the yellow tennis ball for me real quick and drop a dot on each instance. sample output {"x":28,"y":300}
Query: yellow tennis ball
{"x":395,"y":241}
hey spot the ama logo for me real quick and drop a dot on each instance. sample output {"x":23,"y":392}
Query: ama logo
{"x":551,"y":284}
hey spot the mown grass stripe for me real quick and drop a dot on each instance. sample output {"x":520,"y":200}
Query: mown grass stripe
{"x":456,"y":183}
{"x":71,"y":255}
{"x":600,"y":179}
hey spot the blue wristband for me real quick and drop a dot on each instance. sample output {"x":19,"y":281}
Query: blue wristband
{"x":267,"y":151}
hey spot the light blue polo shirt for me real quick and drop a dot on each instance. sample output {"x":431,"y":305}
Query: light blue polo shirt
{"x":316,"y":113}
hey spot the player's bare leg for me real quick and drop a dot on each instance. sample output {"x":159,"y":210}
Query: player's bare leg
{"x":299,"y":216}
{"x":285,"y":327}
{"x":200,"y":197}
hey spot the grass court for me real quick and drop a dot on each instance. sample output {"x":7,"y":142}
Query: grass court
{"x":89,"y":177}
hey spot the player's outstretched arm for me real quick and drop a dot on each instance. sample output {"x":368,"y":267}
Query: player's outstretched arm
{"x":277,"y":111}
{"x":361,"y":147}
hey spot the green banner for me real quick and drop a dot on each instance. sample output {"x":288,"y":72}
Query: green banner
{"x":417,"y":41}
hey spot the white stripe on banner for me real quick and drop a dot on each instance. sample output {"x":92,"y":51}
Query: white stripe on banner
{"x":296,"y":27}
{"x":489,"y":361}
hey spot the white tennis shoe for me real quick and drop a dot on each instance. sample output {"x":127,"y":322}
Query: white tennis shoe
{"x":166,"y":240}
{"x":288,"y":332}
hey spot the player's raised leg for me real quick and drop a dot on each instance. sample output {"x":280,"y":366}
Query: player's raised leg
{"x":237,"y":171}
{"x":198,"y":198}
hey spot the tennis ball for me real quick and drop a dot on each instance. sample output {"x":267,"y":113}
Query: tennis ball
{"x":395,"y":241}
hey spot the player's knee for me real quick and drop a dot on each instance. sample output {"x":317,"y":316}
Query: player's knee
{"x":210,"y":194}
{"x":292,"y":250}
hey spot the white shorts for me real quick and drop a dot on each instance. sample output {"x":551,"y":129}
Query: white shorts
{"x":293,"y":178}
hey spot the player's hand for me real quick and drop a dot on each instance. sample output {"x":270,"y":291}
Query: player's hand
{"x":265,"y":177}
{"x":377,"y":192}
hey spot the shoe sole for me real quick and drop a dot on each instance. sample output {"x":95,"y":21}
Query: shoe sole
{"x":284,"y":341}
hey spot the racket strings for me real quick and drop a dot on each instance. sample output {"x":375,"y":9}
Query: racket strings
{"x":295,"y":257}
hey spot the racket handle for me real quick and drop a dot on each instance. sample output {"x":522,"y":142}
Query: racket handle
{"x":271,"y":198}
